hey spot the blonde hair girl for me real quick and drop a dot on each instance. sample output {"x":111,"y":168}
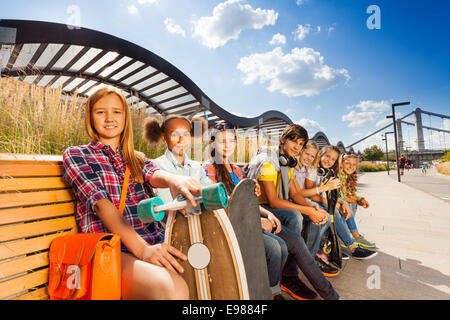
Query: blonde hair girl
{"x":96,"y":173}
{"x":348,"y":174}
{"x":307,"y":162}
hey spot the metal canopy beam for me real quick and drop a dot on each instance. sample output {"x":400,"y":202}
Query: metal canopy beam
{"x":45,"y":33}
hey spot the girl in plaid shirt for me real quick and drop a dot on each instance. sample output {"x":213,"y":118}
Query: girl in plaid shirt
{"x":96,"y":172}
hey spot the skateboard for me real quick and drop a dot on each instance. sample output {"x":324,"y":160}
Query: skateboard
{"x":215,"y":268}
{"x":331,"y":246}
{"x":244,"y":214}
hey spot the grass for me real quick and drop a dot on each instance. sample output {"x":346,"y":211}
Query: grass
{"x":444,"y":168}
{"x":366,"y":166}
{"x":37,"y":120}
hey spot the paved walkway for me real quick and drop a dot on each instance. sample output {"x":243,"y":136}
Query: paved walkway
{"x":412,"y":230}
{"x":432,"y":182}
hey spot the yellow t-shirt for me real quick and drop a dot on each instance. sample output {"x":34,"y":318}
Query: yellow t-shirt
{"x":269,"y":173}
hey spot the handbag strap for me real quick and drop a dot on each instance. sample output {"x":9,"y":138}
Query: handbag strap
{"x":123,"y":196}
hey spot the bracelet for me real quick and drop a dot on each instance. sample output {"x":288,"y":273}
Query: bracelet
{"x":317,"y":190}
{"x":358,"y":200}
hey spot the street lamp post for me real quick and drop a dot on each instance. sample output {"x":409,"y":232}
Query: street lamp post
{"x":387,"y":151}
{"x":395,"y":133}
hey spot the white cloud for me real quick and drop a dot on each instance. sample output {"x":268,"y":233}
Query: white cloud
{"x":311,"y":126}
{"x":359,"y":119}
{"x":367,"y":112}
{"x":147,"y":1}
{"x":172,"y":27}
{"x":228,"y":20}
{"x":302,"y":31}
{"x":318,"y":29}
{"x":299,"y":73}
{"x":299,"y":2}
{"x":132,"y":9}
{"x":330,"y":29}
{"x":278,"y":39}
{"x":318,"y":107}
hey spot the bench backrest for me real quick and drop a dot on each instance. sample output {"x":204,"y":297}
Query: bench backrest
{"x":36,"y":206}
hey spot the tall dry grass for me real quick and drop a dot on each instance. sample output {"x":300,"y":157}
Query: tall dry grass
{"x":37,"y":120}
{"x":444,"y":168}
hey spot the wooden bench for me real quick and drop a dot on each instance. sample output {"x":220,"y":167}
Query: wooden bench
{"x":36,"y":206}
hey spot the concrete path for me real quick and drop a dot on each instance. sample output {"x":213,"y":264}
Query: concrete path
{"x":412,"y":230}
{"x":432,"y":182}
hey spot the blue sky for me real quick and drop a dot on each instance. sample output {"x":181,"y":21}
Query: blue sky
{"x":325,"y":68}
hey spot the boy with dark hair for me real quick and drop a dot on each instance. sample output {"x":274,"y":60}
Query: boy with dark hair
{"x":273,"y":168}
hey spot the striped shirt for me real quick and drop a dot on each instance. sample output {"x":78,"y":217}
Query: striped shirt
{"x":96,"y":172}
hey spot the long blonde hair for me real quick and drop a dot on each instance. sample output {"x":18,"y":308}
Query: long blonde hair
{"x":134,"y":160}
{"x":348,"y":181}
{"x":309,"y":145}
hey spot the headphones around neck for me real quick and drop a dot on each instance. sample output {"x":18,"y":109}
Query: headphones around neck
{"x":287,"y":161}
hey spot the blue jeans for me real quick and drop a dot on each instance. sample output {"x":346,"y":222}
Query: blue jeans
{"x":300,"y":256}
{"x":276,"y":255}
{"x":341,"y":229}
{"x":351,"y":223}
{"x":314,"y":234}
{"x":292,"y":220}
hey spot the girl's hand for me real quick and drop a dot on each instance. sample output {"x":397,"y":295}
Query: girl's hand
{"x":364,"y":203}
{"x":332,"y":184}
{"x":266,"y":225}
{"x":257,"y":188}
{"x":186,"y":186}
{"x":163,"y":255}
{"x":345,"y":210}
{"x":276,"y":224}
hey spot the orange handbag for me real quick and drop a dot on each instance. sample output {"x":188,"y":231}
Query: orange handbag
{"x":87,"y":266}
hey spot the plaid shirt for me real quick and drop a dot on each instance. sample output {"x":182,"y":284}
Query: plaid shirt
{"x":95,"y":172}
{"x":211,"y":172}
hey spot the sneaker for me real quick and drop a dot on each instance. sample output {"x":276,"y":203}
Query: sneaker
{"x":279,"y":297}
{"x":345,"y":256}
{"x":363,"y":242}
{"x":363,"y":254}
{"x":327,"y":270}
{"x":297,"y":289}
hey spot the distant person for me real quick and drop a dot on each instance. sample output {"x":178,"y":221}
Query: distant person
{"x":402,"y":163}
{"x":424,"y":168}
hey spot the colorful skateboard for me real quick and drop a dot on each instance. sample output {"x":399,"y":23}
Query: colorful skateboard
{"x":215,"y":269}
{"x":245,"y":217}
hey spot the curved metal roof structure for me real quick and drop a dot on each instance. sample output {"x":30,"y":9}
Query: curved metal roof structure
{"x":82,"y":60}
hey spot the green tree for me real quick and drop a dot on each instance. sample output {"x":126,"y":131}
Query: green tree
{"x":373,"y":153}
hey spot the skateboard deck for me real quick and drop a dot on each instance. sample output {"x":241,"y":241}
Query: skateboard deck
{"x":244,"y":215}
{"x":215,"y":269}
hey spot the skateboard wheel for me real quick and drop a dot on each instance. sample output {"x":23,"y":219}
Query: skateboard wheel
{"x":215,"y":197}
{"x":146,"y":211}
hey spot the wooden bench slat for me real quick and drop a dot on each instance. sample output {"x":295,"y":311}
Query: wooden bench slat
{"x":30,"y":184}
{"x":27,"y":158}
{"x":10,"y":200}
{"x":39,"y":294}
{"x":8,"y":216}
{"x":18,"y":248}
{"x":24,"y":264}
{"x":30,"y":170}
{"x":20,"y":284}
{"x":25,"y":230}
